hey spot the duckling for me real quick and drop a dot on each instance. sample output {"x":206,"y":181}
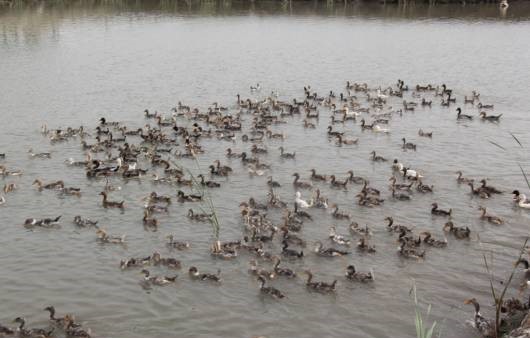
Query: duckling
{"x":45,"y":222}
{"x":319,"y":286}
{"x":489,"y":189}
{"x":363,"y":277}
{"x":408,"y":145}
{"x":289,"y":252}
{"x":317,"y":177}
{"x":111,"y":204}
{"x":478,"y":192}
{"x":458,"y":232}
{"x":364,"y":246}
{"x":209,"y":184}
{"x":490,"y":118}
{"x":396,"y":227}
{"x":460,"y":116}
{"x":427,"y":239}
{"x":282,"y":271}
{"x":484,"y":326}
{"x":156,"y":280}
{"x":269,"y":290}
{"x":490,"y":218}
{"x":34,"y":333}
{"x":440,"y":212}
{"x":39,"y":155}
{"x":400,"y":196}
{"x":50,"y":186}
{"x":179,"y":245}
{"x":355,"y":179}
{"x":283,"y":154}
{"x":377,"y":158}
{"x":424,"y":134}
{"x":181,"y":197}
{"x":338,"y":215}
{"x":300,"y":184}
{"x":339,"y":239}
{"x":194,"y":273}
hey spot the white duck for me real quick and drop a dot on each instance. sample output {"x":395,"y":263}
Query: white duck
{"x":349,"y":113}
{"x":300,"y":202}
{"x":378,"y":129}
{"x":397,"y":166}
{"x":522,"y":203}
{"x":252,"y":170}
{"x":380,"y":95}
{"x":411,"y":173}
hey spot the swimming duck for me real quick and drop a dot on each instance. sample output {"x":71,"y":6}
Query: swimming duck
{"x":209,"y":184}
{"x":110,"y":204}
{"x":460,"y":116}
{"x":283,"y":154}
{"x":429,"y":240}
{"x":366,"y":126}
{"x":282,"y":271}
{"x":484,"y":326}
{"x":319,"y":286}
{"x":400,"y":196}
{"x":194,"y":273}
{"x":424,"y":134}
{"x":489,"y":189}
{"x":424,"y":188}
{"x":289,"y":252}
{"x":355,"y":179}
{"x":408,"y":145}
{"x":411,"y":174}
{"x":363,"y":277}
{"x":425,"y":102}
{"x":396,"y":227}
{"x":105,"y":238}
{"x":50,"y":186}
{"x":482,"y":193}
{"x":357,"y":230}
{"x":45,"y":222}
{"x":400,"y":186}
{"x":231,"y":154}
{"x":491,"y":118}
{"x":300,"y":202}
{"x":79,"y":221}
{"x":364,"y":246}
{"x":60,"y":322}
{"x":519,"y":197}
{"x":155,"y":198}
{"x":5,"y":331}
{"x":10,"y":187}
{"x":341,"y":141}
{"x":198,"y":216}
{"x":156,"y":280}
{"x":300,"y":184}
{"x":484,"y":106}
{"x":134,"y":262}
{"x":39,"y":155}
{"x":377,"y":158}
{"x":33,"y":333}
{"x":378,"y":129}
{"x":440,"y":212}
{"x":329,"y":252}
{"x":149,"y":222}
{"x":338,"y":184}
{"x":338,"y":215}
{"x":272,"y":184}
{"x":333,"y":133}
{"x":291,"y":238}
{"x":458,"y":232}
{"x":407,"y":251}
{"x":256,"y":150}
{"x":339,"y":239}
{"x":490,"y":218}
{"x":179,"y":245}
{"x":522,"y":202}
{"x":461,"y":179}
{"x":269,"y":290}
{"x":317,"y":177}
{"x":181,"y":197}
{"x":73,"y":329}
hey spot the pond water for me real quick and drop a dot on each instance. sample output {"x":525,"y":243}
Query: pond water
{"x":70,"y":65}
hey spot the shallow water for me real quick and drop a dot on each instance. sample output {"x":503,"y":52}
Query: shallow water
{"x":67,"y":66}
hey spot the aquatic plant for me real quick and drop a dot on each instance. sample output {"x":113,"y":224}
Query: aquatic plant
{"x":422,"y":330}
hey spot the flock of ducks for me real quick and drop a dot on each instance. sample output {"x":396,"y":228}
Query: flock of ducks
{"x":115,"y":150}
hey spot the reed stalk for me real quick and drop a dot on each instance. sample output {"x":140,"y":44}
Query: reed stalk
{"x":422,"y":331}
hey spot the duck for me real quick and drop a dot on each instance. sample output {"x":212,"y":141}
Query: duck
{"x":6,"y":331}
{"x":45,"y":222}
{"x":9,"y":187}
{"x":341,"y":141}
{"x":338,"y":215}
{"x":300,"y":184}
{"x":291,"y":238}
{"x":272,"y":184}
{"x":482,"y":193}
{"x":317,"y":177}
{"x":490,"y":218}
{"x":33,"y":333}
{"x":181,"y":197}
{"x":353,"y":275}
{"x":491,"y":118}
{"x":378,"y":129}
{"x":289,"y":252}
{"x":440,"y":212}
{"x":39,"y":155}
{"x":355,"y":179}
{"x":149,"y":222}
{"x":424,"y":133}
{"x":480,"y":105}
{"x":103,"y":237}
{"x":522,"y":202}
{"x":194,"y":274}
{"x":283,"y":154}
{"x":209,"y":184}
{"x":364,"y":246}
{"x":489,"y":189}
{"x":110,"y":204}
{"x":411,"y":174}
{"x":319,"y":286}
{"x":269,"y":290}
{"x":429,"y":240}
{"x":424,"y":188}
{"x":256,"y":150}
{"x":408,"y":145}
{"x":285,"y":272}
{"x":396,"y":227}
{"x":157,"y":280}
{"x":400,"y":196}
{"x":461,"y":179}
{"x":357,"y":230}
{"x":300,"y":202}
{"x":518,"y":196}
{"x":400,"y":186}
{"x":338,"y":184}
{"x":50,"y":186}
{"x":407,"y":251}
{"x":339,"y":239}
{"x":198,"y":216}
{"x":59,"y":322}
{"x":460,"y":116}
{"x":458,"y":232}
{"x":231,"y":154}
{"x":377,"y":158}
{"x":73,"y":329}
{"x":366,"y":126}
{"x":484,"y":326}
{"x":173,"y":244}
{"x":257,"y":271}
